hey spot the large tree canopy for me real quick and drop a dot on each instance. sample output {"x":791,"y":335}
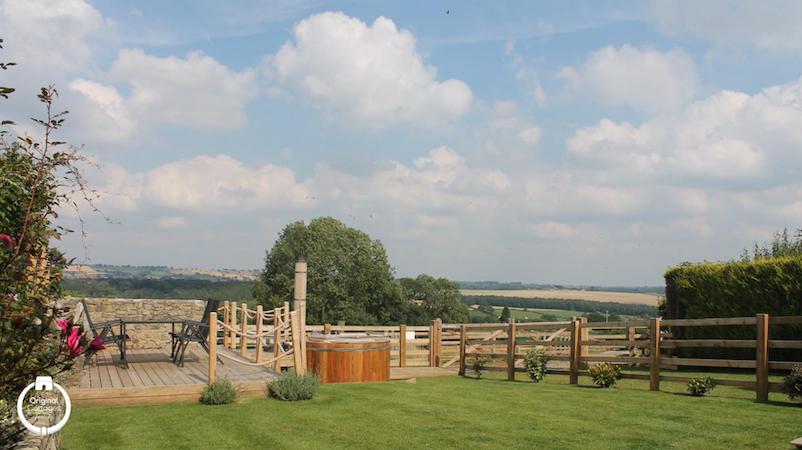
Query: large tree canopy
{"x":434,"y":298}
{"x":349,"y":277}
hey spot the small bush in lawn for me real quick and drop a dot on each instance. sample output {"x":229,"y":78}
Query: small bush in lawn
{"x":700,"y":386}
{"x":792,"y":383}
{"x":604,"y":374}
{"x":218,"y":393}
{"x":535,"y":361}
{"x":479,"y":365}
{"x":290,"y":387}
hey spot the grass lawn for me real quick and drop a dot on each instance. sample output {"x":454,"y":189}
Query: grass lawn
{"x":454,"y":412}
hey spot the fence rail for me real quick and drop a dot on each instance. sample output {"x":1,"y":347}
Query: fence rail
{"x":570,"y":345}
{"x":646,"y":343}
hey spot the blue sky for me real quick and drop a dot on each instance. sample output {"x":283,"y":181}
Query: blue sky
{"x":567,"y":142}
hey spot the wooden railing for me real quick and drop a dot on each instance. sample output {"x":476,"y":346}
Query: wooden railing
{"x":645,"y":343}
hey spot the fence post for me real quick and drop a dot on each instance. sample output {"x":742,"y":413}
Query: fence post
{"x":762,"y":357}
{"x":226,"y":307}
{"x":402,"y":346}
{"x":463,"y":339}
{"x":438,"y":346}
{"x":327,"y":328}
{"x":584,"y":336}
{"x":575,"y":349}
{"x":511,"y":351}
{"x":287,"y":318}
{"x":213,"y":347}
{"x":244,"y":340}
{"x":297,"y":347}
{"x":654,"y":364}
{"x":259,"y":329}
{"x":431,"y":344}
{"x":631,"y":339}
{"x":277,"y":334}
{"x":232,"y":341}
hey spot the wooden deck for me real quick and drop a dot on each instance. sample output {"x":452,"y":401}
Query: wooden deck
{"x":152,"y":378}
{"x":154,"y":368}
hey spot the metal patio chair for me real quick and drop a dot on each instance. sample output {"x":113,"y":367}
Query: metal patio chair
{"x":193,"y":331}
{"x":105,"y":331}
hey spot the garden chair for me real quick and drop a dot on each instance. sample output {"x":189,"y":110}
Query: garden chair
{"x":193,"y":331}
{"x":105,"y":331}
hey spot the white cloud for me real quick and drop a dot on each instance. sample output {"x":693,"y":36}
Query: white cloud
{"x":506,"y":118}
{"x":372,"y":74}
{"x":48,"y":33}
{"x":641,"y":78}
{"x":771,"y":25}
{"x":103,"y":111}
{"x":439,"y":183}
{"x":530,"y":135}
{"x":172,"y":222}
{"x":206,"y":184}
{"x":196,"y":91}
{"x":729,"y":135}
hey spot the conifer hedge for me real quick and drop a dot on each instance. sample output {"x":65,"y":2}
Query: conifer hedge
{"x":735,"y":289}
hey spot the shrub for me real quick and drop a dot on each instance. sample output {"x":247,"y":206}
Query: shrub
{"x":604,"y":374}
{"x":218,"y":393}
{"x":535,"y":361}
{"x":479,"y":365}
{"x":700,"y":386}
{"x":290,"y":387}
{"x":792,"y":383}
{"x":734,"y":289}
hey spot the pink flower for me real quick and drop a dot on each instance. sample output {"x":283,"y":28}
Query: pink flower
{"x":74,"y":342}
{"x":8,"y":240}
{"x":63,"y":324}
{"x":97,"y":344}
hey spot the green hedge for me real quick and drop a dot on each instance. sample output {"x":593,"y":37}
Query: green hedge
{"x":735,"y":289}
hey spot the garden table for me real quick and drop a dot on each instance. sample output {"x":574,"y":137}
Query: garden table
{"x":126,"y":322}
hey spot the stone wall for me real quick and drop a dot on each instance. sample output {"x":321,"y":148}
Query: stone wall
{"x":147,"y":336}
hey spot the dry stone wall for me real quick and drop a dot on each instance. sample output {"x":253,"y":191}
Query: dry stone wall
{"x":145,"y":336}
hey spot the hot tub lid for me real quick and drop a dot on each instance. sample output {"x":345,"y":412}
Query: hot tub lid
{"x":352,"y":338}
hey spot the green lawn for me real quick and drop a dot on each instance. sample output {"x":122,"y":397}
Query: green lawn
{"x":454,"y":413}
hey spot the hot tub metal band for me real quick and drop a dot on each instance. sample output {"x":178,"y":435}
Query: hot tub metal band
{"x":343,"y":350}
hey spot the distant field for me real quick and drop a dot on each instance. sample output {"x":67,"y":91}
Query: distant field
{"x":629,"y":298}
{"x":538,"y":313}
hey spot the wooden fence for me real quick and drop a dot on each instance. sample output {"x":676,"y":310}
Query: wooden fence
{"x":646,"y":343}
{"x":569,"y":345}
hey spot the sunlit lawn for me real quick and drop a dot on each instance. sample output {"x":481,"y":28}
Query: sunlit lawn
{"x":454,"y":413}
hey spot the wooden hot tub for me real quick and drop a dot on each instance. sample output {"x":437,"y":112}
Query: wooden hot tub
{"x":348,"y":358}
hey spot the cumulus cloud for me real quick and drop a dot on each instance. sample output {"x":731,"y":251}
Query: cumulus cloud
{"x":103,"y":111}
{"x":372,"y":74}
{"x":48,"y":33}
{"x":206,"y":184}
{"x":439,"y":181}
{"x":195,"y":91}
{"x":507,"y":118}
{"x":729,"y":135}
{"x":641,"y":78}
{"x":765,"y":25}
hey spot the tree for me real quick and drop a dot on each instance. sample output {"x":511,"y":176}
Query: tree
{"x":505,"y":315}
{"x":596,"y":316}
{"x":438,"y":298}
{"x":349,"y":276}
{"x":780,"y":245}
